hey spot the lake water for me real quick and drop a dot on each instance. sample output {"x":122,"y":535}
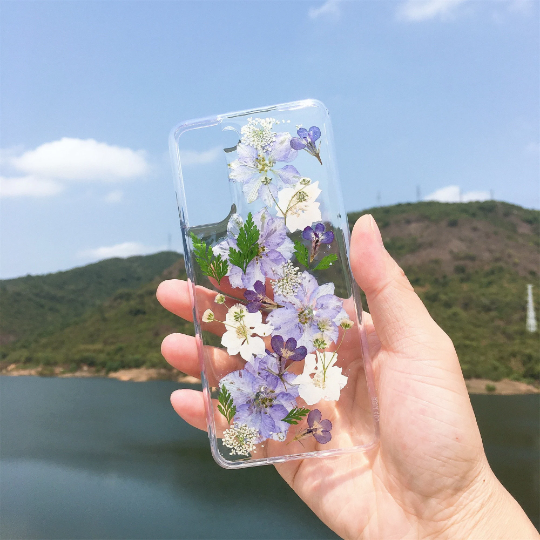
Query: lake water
{"x":99,"y":458}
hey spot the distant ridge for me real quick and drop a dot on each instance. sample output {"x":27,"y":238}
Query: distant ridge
{"x":469,"y":262}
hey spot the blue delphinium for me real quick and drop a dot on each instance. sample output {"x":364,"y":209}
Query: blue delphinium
{"x":312,"y":310}
{"x":261,"y":398}
{"x":317,"y":235}
{"x":306,"y":141}
{"x":274,"y":249}
{"x":257,"y":169}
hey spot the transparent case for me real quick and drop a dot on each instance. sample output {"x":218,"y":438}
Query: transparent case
{"x":278,"y":319}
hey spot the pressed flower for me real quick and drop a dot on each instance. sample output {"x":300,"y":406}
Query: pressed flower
{"x":259,"y":152}
{"x":298,"y":206}
{"x":317,"y":427}
{"x":261,"y":399}
{"x":321,"y":378}
{"x":208,"y":316}
{"x":240,"y":438}
{"x":306,"y":141}
{"x":258,"y":299}
{"x":319,"y":342}
{"x":346,"y":324}
{"x":241,"y":329}
{"x":289,"y":280}
{"x":312,"y":310}
{"x":274,"y":249}
{"x":219,"y":299}
{"x":317,"y":235}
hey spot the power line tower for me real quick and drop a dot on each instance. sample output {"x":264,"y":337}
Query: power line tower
{"x":418,"y":194}
{"x":531,"y":317}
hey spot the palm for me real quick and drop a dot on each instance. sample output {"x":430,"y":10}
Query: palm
{"x":398,"y":477}
{"x":430,"y":449}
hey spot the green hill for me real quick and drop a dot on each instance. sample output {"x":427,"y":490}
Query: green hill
{"x":470,"y":263}
{"x":32,"y":305}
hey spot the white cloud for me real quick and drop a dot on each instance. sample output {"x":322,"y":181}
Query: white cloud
{"x":330,"y":9}
{"x":82,"y":160}
{"x":454,"y":194}
{"x":127,"y":249}
{"x":192,"y":157}
{"x":421,"y":10}
{"x":115,"y":196}
{"x":28,"y":186}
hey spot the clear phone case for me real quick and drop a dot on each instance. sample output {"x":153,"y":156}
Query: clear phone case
{"x":278,"y":319}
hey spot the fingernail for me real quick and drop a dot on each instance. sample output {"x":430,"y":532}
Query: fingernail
{"x":376,"y":231}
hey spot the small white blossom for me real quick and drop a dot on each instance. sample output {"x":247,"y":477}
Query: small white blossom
{"x":258,"y":133}
{"x":208,"y":316}
{"x":219,"y":299}
{"x":241,"y":327}
{"x":346,"y":324}
{"x":240,"y":439}
{"x":298,"y":206}
{"x":320,"y":342}
{"x":305,"y":181}
{"x":289,"y":281}
{"x":321,"y":379}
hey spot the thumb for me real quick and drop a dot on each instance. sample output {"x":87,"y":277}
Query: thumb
{"x":399,"y":316}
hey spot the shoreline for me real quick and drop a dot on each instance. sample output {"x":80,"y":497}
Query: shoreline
{"x":504,"y":387}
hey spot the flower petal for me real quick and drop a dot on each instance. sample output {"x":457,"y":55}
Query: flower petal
{"x":297,"y":143}
{"x":327,"y":238}
{"x":277,"y":344}
{"x":314,"y":133}
{"x":308,"y":234}
{"x":314,"y":416}
{"x":289,"y":174}
{"x":322,"y":437}
{"x":282,"y":149}
{"x":303,"y":133}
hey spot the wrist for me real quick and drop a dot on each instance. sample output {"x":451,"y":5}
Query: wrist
{"x":489,"y":512}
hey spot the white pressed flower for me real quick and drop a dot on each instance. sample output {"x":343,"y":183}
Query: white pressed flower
{"x":321,"y":379}
{"x":346,"y":324}
{"x":219,"y":299}
{"x":240,"y":438}
{"x":258,"y":133}
{"x":208,"y":316}
{"x":305,"y":181}
{"x":299,"y":207}
{"x":289,"y":280}
{"x":320,"y":342}
{"x":241,"y":327}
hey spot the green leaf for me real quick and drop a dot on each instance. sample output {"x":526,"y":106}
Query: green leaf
{"x":295,"y":416}
{"x":326,"y":262}
{"x":247,"y":242}
{"x":226,"y":406}
{"x":211,"y":265}
{"x":302,"y":253}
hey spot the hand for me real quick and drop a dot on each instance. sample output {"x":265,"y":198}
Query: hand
{"x":428,"y":477}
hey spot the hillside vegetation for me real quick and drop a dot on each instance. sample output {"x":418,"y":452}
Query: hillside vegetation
{"x":469,"y":262}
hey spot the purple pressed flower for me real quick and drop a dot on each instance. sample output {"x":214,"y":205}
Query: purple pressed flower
{"x":275,"y":248}
{"x":287,"y":350}
{"x":261,"y":398}
{"x":317,"y":236}
{"x":257,"y":169}
{"x":306,"y":141}
{"x":312,"y":310}
{"x":257,"y":299}
{"x":320,"y":429}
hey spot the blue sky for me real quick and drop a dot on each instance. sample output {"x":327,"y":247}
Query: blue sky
{"x":441,"y":94}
